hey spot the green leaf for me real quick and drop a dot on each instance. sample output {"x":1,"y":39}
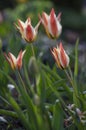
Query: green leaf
{"x":76,"y":59}
{"x":57,"y":121}
{"x":8,"y":113}
{"x":29,"y":52}
{"x":51,"y":72}
{"x":18,"y":110}
{"x":41,"y":90}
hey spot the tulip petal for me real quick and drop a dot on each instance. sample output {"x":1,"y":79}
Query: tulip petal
{"x":19,"y":59}
{"x":7,"y":58}
{"x":56,"y":50}
{"x":45,"y":19}
{"x":37,"y":26}
{"x":55,"y":54}
{"x":63,"y":56}
{"x":28,"y":21}
{"x":12,"y":60}
{"x":29,"y":33}
{"x":53,"y":23}
{"x":21,"y":25}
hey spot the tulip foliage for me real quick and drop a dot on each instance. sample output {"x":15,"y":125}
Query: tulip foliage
{"x":44,"y":99}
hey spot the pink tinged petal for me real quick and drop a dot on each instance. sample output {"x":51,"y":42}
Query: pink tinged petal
{"x":57,"y":56}
{"x":12,"y":60}
{"x":21,"y":25}
{"x":19,"y":59}
{"x":53,"y":23}
{"x":55,"y":53}
{"x":63,"y":57}
{"x":29,"y":33}
{"x":45,"y":19}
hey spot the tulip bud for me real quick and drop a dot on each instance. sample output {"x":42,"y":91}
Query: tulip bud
{"x":51,"y":24}
{"x":36,"y":100}
{"x":32,"y":66}
{"x":33,"y":69}
{"x":28,"y":32}
{"x":60,"y":56}
{"x":15,"y":63}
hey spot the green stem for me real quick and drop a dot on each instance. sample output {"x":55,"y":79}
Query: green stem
{"x":69,"y":78}
{"x":74,"y":81}
{"x":28,"y":81}
{"x":74,"y":85}
{"x":21,"y":80}
{"x":70,"y":72}
{"x":32,"y":50}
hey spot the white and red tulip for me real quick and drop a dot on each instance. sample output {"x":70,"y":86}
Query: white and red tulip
{"x":15,"y":63}
{"x":51,"y":24}
{"x":60,"y":56}
{"x":28,"y":32}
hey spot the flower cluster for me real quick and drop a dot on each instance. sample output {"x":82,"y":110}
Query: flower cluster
{"x":53,"y":29}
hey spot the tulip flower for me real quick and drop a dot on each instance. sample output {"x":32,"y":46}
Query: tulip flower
{"x":15,"y":63}
{"x":28,"y":32}
{"x":51,"y":24}
{"x":60,"y":56}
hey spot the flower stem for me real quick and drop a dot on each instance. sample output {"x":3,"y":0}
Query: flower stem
{"x":21,"y":80}
{"x":74,"y":85}
{"x":69,"y":78}
{"x":32,"y":50}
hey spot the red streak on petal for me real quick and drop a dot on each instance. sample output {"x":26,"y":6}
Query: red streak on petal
{"x":29,"y":33}
{"x":45,"y":19}
{"x":53,"y":22}
{"x":19,"y":60}
{"x":62,"y":55}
